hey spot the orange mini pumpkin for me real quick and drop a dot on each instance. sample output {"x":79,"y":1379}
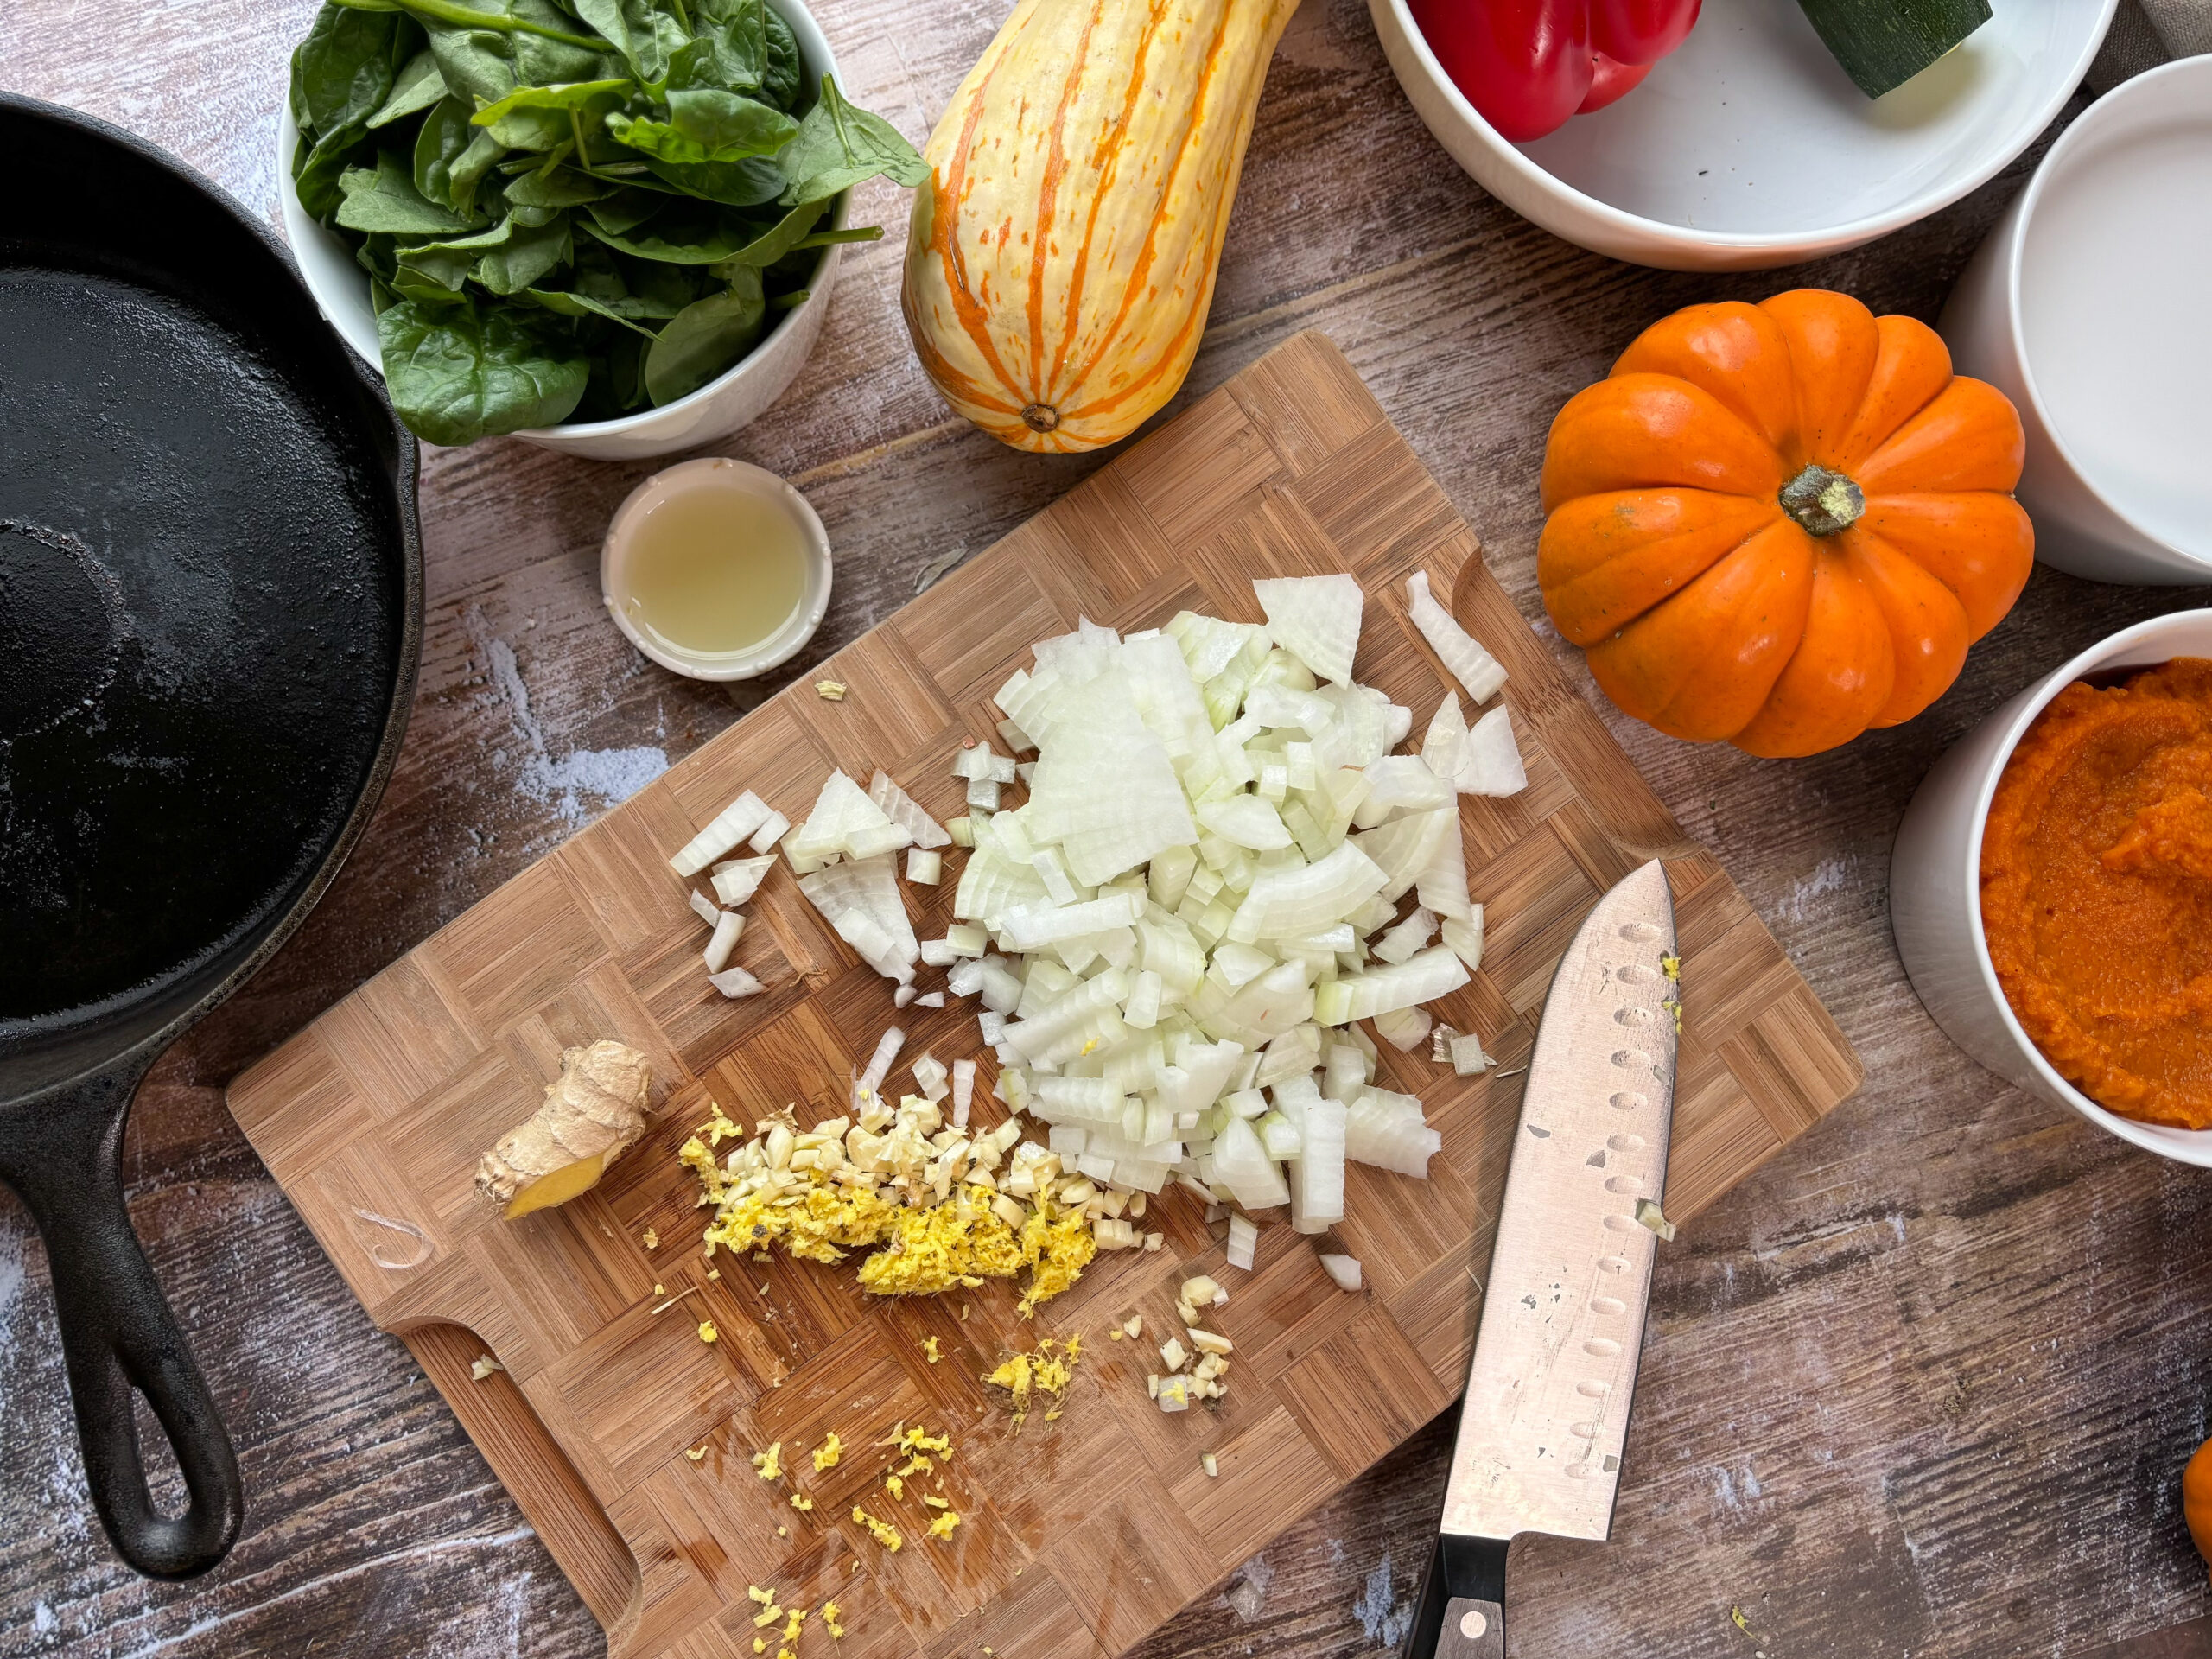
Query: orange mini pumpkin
{"x":1782,"y":524}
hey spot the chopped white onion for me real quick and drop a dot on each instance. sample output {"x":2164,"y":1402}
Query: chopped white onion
{"x":926,"y":869}
{"x":704,"y":908}
{"x":1478,"y":672}
{"x":730,"y":826}
{"x":735,"y":982}
{"x":1344,"y":1270}
{"x":902,"y":809}
{"x":772,"y":829}
{"x":727,"y":927}
{"x":1493,"y":765}
{"x":737,"y":881}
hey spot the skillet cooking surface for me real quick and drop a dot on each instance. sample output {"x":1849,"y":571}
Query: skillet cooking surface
{"x":198,"y":611}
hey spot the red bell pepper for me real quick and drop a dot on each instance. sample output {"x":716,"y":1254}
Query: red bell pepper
{"x":1528,"y":65}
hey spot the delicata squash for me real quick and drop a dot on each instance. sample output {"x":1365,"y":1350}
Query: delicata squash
{"x":1061,"y":258}
{"x":1780,"y":525}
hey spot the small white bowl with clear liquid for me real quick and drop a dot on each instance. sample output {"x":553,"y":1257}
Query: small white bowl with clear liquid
{"x":715,"y":568}
{"x":2090,"y":306}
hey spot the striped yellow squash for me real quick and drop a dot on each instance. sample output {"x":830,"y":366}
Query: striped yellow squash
{"x":1060,"y":261}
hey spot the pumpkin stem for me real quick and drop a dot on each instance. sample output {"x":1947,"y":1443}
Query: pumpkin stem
{"x":1041,"y":417}
{"x":1824,"y":503}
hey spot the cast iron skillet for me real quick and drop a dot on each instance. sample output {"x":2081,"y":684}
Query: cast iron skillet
{"x":210,"y":587}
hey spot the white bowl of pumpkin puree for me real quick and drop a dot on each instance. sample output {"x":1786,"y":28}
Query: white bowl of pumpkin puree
{"x":2051,"y":887}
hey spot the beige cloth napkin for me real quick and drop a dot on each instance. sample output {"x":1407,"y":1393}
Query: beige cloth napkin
{"x":2147,"y":32}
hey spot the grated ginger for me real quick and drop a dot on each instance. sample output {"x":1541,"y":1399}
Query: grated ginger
{"x":882,"y":1531}
{"x":1048,"y":1370}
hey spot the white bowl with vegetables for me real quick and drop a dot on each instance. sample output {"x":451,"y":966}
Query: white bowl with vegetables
{"x":626,"y":249}
{"x":1749,"y":146}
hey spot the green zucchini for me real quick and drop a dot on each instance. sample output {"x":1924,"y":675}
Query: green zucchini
{"x":1882,"y":44}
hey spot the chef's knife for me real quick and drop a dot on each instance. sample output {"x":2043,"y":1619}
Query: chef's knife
{"x":1546,"y":1414}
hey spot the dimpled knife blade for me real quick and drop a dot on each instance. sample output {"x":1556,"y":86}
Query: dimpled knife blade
{"x":1546,"y":1414}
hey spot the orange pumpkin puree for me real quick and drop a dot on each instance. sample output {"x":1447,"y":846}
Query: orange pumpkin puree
{"x":2096,"y":890}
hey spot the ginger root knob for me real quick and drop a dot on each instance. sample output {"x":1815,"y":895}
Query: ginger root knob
{"x":593,"y":1112}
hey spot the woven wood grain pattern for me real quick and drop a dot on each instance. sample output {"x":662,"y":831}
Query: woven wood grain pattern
{"x":1082,"y":1535}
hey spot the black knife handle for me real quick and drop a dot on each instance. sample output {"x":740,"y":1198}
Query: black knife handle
{"x":1461,"y":1612}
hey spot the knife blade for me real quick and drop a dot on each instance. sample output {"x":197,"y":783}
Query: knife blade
{"x":1546,"y":1413}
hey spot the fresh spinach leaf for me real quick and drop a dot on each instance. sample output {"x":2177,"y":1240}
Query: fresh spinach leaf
{"x":623,"y":211}
{"x":730,"y":48}
{"x":474,"y":64}
{"x":839,"y":145}
{"x":777,"y":240}
{"x":704,"y":338}
{"x":318,"y":167}
{"x":753,"y":182}
{"x":545,"y":117}
{"x":452,"y":156}
{"x":782,"y":76}
{"x":419,"y":270}
{"x":526,"y":259}
{"x":566,"y":303}
{"x":707,"y":127}
{"x":416,"y":88}
{"x":460,"y":374}
{"x":645,"y":33}
{"x":685,"y":233}
{"x":343,"y":69}
{"x":386,"y":200}
{"x":559,"y":187}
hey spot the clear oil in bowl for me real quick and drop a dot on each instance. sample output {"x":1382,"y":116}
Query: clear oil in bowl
{"x":715,"y":569}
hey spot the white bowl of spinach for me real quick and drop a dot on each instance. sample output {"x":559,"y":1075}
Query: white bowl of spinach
{"x":607,"y":226}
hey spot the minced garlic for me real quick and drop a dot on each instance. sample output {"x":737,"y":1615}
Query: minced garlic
{"x":484,"y":1365}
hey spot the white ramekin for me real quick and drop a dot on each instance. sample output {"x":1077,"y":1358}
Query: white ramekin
{"x":1935,"y":886}
{"x":1749,"y":148}
{"x":779,"y":647}
{"x":340,"y":288}
{"x":2081,"y":526}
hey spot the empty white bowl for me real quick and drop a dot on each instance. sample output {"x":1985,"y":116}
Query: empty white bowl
{"x":1749,"y":147}
{"x":1935,"y":886}
{"x":2088,"y":307}
{"x":340,"y":287}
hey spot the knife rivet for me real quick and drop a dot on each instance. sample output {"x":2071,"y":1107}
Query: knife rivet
{"x":1473,"y":1625}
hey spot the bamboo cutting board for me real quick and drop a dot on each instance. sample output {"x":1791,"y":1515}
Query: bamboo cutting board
{"x":1082,"y":1535}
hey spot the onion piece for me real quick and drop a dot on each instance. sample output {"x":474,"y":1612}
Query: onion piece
{"x":730,"y":826}
{"x":1244,"y":1242}
{"x":964,"y":1091}
{"x":772,"y":829}
{"x":902,"y":809}
{"x":1465,"y":937}
{"x":1493,"y":759}
{"x":1290,"y":903}
{"x":727,"y":927}
{"x":925,"y":867}
{"x":738,"y":880}
{"x":1478,"y":672}
{"x":734,"y":982}
{"x":704,"y":908}
{"x":1316,"y":619}
{"x":1344,"y":1270}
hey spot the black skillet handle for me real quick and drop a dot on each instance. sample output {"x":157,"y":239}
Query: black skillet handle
{"x":1461,"y":1612}
{"x":62,"y":1152}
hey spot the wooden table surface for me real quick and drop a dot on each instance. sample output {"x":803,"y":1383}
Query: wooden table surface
{"x":1924,"y":1387}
